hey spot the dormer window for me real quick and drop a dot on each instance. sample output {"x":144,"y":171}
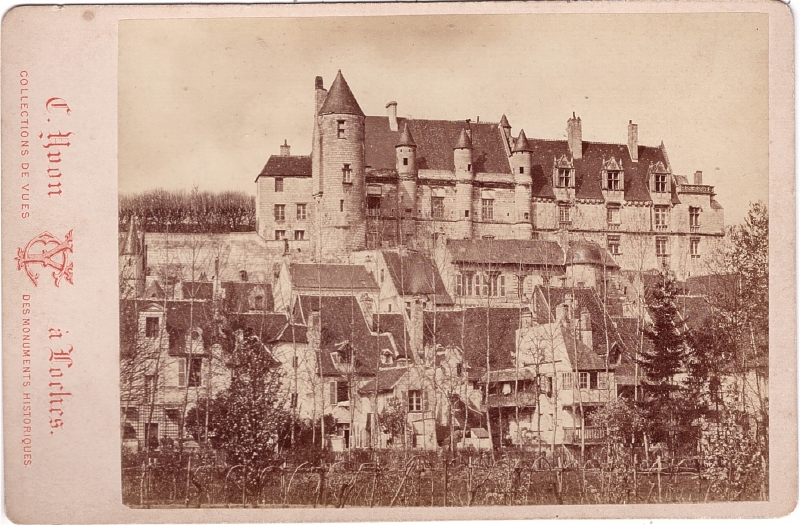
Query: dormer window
{"x":613,"y":180}
{"x":243,"y":275}
{"x":340,"y":129}
{"x":565,"y":178}
{"x":387,"y":358}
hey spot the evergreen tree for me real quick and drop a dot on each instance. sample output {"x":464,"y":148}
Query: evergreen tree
{"x":251,"y":412}
{"x":662,"y":362}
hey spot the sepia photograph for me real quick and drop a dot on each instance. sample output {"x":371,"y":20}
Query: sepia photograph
{"x":444,"y":260}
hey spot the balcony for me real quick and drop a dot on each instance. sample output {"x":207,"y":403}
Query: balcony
{"x":661,"y":227}
{"x":521,"y":399}
{"x":591,"y":435}
{"x":695,"y":188}
{"x":694,"y":228}
{"x":613,"y":226}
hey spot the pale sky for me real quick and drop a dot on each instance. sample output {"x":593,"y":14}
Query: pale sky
{"x":206,"y":102}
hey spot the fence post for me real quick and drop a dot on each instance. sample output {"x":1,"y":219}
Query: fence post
{"x":658,"y":471}
{"x":445,"y":479}
{"x":635,"y":483}
{"x":188,"y":480}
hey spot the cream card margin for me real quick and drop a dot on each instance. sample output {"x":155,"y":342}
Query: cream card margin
{"x":71,"y":52}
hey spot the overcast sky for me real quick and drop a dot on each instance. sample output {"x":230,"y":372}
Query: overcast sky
{"x":206,"y":102}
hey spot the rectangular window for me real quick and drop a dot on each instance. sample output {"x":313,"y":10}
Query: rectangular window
{"x":405,"y":161}
{"x":415,"y":401}
{"x":660,"y":183}
{"x":567,"y":380}
{"x":522,"y":169}
{"x":340,"y":392}
{"x":280,"y":235}
{"x":280,"y":212}
{"x":195,"y":371}
{"x":694,"y":217}
{"x":563,"y":214}
{"x":182,"y":372}
{"x":149,"y":387}
{"x":602,"y":380}
{"x":612,"y":180}
{"x":151,"y":327}
{"x":301,"y":212}
{"x":694,"y":247}
{"x":459,"y":285}
{"x":347,"y":174}
{"x":340,"y":129}
{"x":299,"y":235}
{"x":661,"y":247}
{"x":583,"y":380}
{"x":437,"y":207}
{"x":565,"y":178}
{"x":278,"y":184}
{"x":341,"y":205}
{"x":612,"y":214}
{"x":373,"y":206}
{"x":487,"y":209}
{"x":613,"y":245}
{"x":661,"y":216}
{"x":497,"y":285}
{"x":593,"y":380}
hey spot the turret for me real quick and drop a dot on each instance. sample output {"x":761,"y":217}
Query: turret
{"x":406,"y":165}
{"x":462,"y":161}
{"x":340,"y":174}
{"x":521,"y":164}
{"x":131,"y":262}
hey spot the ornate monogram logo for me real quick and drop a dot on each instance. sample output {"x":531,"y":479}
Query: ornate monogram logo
{"x":47,"y":250}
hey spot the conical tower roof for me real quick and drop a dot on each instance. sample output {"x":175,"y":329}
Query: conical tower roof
{"x":132,"y":246}
{"x":340,"y":100}
{"x":463,"y":142}
{"x":504,"y":122}
{"x":521,"y":143}
{"x":405,"y":138}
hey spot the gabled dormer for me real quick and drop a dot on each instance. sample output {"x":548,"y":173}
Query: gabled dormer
{"x":660,"y":182}
{"x":563,"y":172}
{"x":613,"y":175}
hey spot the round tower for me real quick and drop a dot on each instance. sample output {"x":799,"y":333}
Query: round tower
{"x":462,"y":161}
{"x":406,"y":165}
{"x":521,"y":164}
{"x":341,"y":172}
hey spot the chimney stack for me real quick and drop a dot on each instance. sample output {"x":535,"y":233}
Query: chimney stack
{"x":698,"y":177}
{"x":285,"y":149}
{"x":575,"y":137}
{"x":391,"y":112}
{"x":319,"y":94}
{"x":415,"y":328}
{"x":633,"y":141}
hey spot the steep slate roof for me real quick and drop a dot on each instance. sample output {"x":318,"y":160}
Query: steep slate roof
{"x":395,"y":325}
{"x":463,"y":141}
{"x":291,"y":333}
{"x":589,"y":253}
{"x":435,"y":140}
{"x":521,"y":143}
{"x":471,"y":322}
{"x":287,"y":166}
{"x":340,"y":100}
{"x":581,"y":356}
{"x":583,"y":298}
{"x":406,"y":139}
{"x":312,"y":277}
{"x":414,"y":273}
{"x":197,"y":290}
{"x":341,"y":320}
{"x":386,"y":380}
{"x":588,"y":169}
{"x":182,"y":316}
{"x":265,"y":326}
{"x":506,"y":251}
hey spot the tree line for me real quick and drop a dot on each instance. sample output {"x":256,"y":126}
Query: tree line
{"x":194,"y":211}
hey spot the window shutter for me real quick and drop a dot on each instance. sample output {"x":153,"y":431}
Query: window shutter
{"x":604,"y":179}
{"x":593,"y":380}
{"x":333,"y":392}
{"x":425,"y":401}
